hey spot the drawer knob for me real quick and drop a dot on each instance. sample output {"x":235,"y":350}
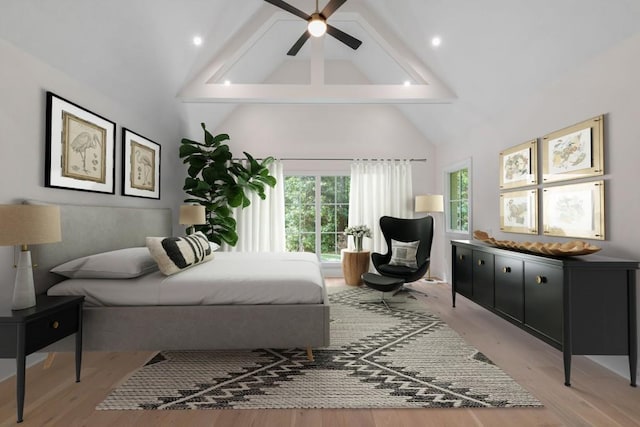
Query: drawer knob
{"x":55,"y":324}
{"x":480,"y":262}
{"x":541,"y":279}
{"x":461,"y":257}
{"x":506,"y":269}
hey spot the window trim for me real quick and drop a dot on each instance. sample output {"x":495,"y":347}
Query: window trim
{"x":319,"y":173}
{"x":447,"y":196}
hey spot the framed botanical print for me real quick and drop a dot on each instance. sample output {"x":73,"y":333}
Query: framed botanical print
{"x":574,"y":152}
{"x":575,"y":210}
{"x":519,"y":165}
{"x":140,"y":166}
{"x":80,"y":148}
{"x":519,"y":211}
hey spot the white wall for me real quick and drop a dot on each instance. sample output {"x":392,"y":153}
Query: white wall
{"x":24,"y":81}
{"x":327,"y":131}
{"x":607,"y":85}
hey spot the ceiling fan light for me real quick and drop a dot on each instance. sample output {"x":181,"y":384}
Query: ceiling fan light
{"x":317,"y":27}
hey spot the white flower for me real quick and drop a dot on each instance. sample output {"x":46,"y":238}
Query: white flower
{"x":358,"y":231}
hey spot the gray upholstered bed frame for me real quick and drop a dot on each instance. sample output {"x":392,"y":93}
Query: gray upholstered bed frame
{"x":92,"y":229}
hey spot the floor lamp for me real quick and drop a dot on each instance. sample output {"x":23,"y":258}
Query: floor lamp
{"x":191,"y":215}
{"x":27,"y":225}
{"x":430,"y":203}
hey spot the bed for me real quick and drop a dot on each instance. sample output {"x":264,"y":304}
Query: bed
{"x":183,"y":324}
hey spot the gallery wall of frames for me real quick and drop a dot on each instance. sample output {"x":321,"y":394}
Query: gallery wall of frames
{"x":568,"y":190}
{"x":80,"y":153}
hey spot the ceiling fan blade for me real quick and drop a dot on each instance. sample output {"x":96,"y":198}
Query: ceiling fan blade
{"x":298,"y":44}
{"x":331,"y":7}
{"x":345,"y":38}
{"x":286,"y":6}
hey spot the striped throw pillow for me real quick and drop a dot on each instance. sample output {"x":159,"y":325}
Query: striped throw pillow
{"x":174,"y":254}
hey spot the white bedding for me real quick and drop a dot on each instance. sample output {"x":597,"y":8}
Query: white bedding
{"x":230,"y":278}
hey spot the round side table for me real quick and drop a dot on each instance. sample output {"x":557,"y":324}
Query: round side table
{"x":354,"y":264}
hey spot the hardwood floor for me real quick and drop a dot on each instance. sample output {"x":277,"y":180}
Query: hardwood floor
{"x":597,"y":397}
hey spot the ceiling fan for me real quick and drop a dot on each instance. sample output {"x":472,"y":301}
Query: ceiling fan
{"x":317,"y":24}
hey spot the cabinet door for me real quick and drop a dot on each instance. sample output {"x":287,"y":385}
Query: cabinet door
{"x":543,"y":299}
{"x":462,"y":271}
{"x":483,"y":278}
{"x":509,"y":290}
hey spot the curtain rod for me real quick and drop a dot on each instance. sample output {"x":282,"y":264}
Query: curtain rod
{"x":335,"y":160}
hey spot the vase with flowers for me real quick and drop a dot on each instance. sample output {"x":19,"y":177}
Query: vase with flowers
{"x":358,"y":232}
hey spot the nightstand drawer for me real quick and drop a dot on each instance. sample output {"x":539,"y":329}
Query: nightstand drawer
{"x":51,"y":328}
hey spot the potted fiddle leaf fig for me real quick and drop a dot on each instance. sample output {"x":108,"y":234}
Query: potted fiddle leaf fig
{"x":219,"y":183}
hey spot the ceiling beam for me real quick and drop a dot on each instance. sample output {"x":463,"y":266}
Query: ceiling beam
{"x":318,"y":94}
{"x":206,"y":86}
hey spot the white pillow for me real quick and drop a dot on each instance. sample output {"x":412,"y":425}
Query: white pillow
{"x":174,"y":254}
{"x":404,"y":253}
{"x":119,"y":264}
{"x":214,"y":246}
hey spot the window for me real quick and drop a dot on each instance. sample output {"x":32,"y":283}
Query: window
{"x":458,"y":198}
{"x":316,"y":213}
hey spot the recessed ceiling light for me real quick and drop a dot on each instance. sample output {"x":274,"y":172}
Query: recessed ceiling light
{"x":436,"y":41}
{"x":227,"y":82}
{"x":197,"y":40}
{"x":407,"y":83}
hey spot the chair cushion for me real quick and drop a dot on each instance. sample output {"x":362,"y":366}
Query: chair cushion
{"x":395,"y":270}
{"x":404,"y":253}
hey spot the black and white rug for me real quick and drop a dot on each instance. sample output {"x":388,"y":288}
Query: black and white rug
{"x":403,"y":358}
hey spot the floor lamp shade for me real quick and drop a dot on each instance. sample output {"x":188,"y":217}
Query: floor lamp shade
{"x":192,"y":214}
{"x":430,"y":203}
{"x":27,"y":225}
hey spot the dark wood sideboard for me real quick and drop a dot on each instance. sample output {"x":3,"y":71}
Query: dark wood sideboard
{"x":583,"y":305}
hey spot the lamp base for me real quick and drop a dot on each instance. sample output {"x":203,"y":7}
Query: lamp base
{"x":24,"y":293}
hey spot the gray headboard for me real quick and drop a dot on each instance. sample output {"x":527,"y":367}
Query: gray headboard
{"x":88,"y":230}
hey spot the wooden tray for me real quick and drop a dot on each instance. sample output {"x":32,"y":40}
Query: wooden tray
{"x":572,"y":248}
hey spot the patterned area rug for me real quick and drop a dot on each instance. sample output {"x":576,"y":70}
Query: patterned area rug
{"x":402,"y":358}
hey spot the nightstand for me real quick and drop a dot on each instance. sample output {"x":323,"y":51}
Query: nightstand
{"x":23,"y":332}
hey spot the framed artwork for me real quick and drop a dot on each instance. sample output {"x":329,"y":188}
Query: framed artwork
{"x":519,"y":165}
{"x":575,"y":210}
{"x":519,"y":211}
{"x":80,"y":150}
{"x":574,"y":152}
{"x":140,"y":166}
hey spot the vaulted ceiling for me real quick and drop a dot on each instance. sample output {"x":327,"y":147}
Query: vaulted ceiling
{"x":494,"y":53}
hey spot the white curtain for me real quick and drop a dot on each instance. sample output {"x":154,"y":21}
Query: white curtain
{"x":260,"y":225}
{"x":378,"y":188}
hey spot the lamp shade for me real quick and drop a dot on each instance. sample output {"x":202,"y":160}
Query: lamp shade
{"x":192,"y":214}
{"x":29,"y":224}
{"x":430,"y":203}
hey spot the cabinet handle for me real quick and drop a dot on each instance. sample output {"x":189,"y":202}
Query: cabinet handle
{"x":55,"y":324}
{"x":506,"y":269}
{"x":480,"y":262}
{"x":541,"y":279}
{"x":461,"y":257}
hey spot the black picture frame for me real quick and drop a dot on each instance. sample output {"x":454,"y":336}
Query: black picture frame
{"x":80,"y":148}
{"x":141,"y":158}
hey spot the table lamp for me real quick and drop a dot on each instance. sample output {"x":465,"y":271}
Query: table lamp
{"x":191,"y":215}
{"x":27,"y":225}
{"x":430,"y":203}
